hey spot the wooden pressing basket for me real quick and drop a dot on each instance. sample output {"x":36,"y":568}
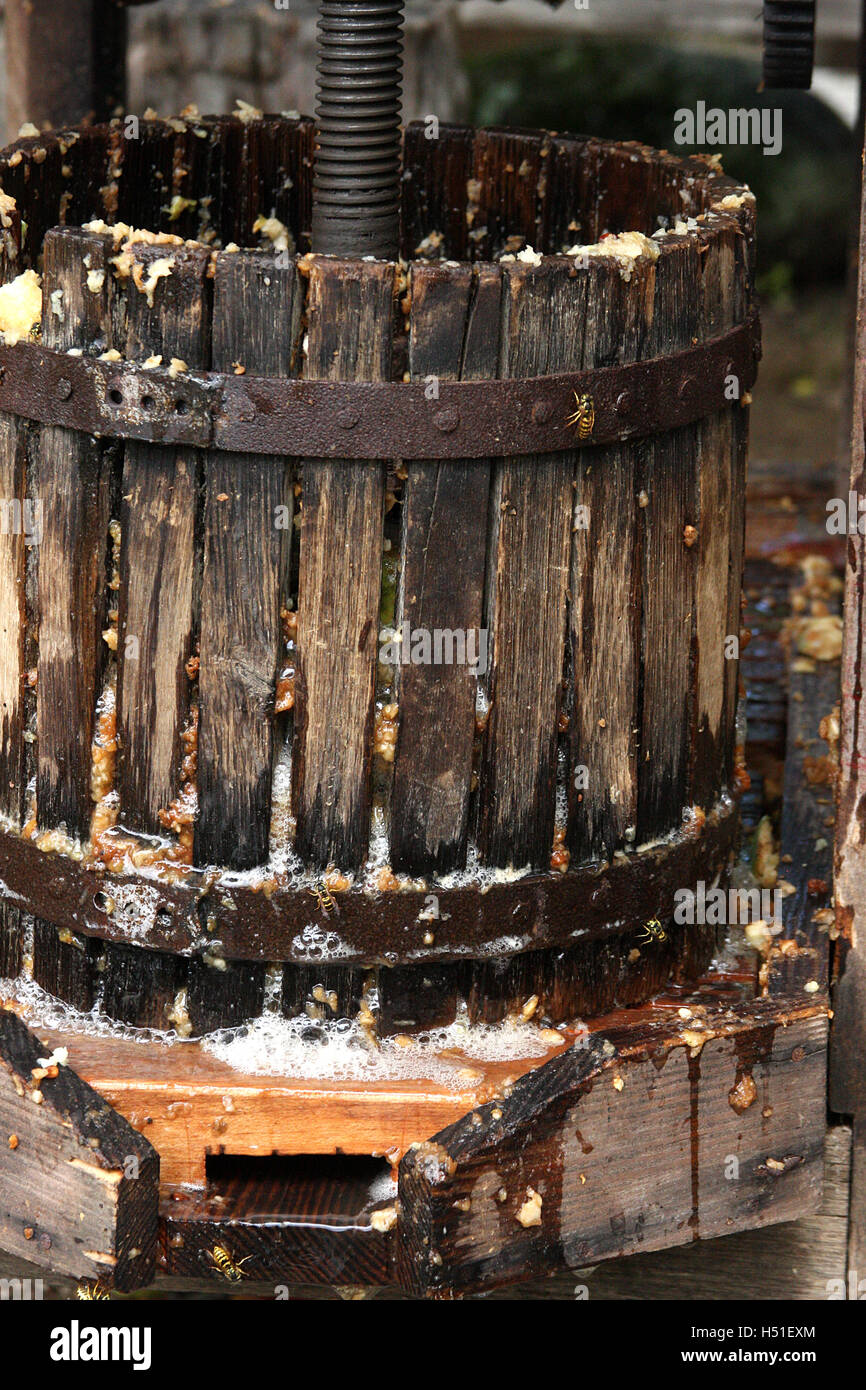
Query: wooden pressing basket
{"x":246,"y":468}
{"x":583,"y":514}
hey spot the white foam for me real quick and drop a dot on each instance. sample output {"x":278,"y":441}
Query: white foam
{"x":341,"y":1051}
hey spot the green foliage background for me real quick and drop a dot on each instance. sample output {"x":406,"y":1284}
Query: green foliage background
{"x":630,"y":91}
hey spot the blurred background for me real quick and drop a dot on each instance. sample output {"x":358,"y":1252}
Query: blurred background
{"x":617,"y":68}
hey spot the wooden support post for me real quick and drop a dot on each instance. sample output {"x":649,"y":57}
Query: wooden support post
{"x":847,"y":1077}
{"x":79,"y":1187}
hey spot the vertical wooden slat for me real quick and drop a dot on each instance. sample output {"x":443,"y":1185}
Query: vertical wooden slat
{"x":74,"y":473}
{"x":435,"y":192}
{"x":507,"y":195}
{"x":349,"y":316}
{"x":605,"y":585}
{"x":667,"y":478}
{"x":256,"y":314}
{"x":13,"y":553}
{"x":454,"y":332}
{"x":13,"y":618}
{"x":145,"y":176}
{"x":65,"y":966}
{"x":605,"y":631}
{"x":157,"y":549}
{"x":720,"y":538}
{"x":529,"y":557}
{"x":568,"y":204}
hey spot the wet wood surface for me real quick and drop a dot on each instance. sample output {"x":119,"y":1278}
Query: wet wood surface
{"x":78,"y":1185}
{"x":257,"y":307}
{"x":454,"y":332}
{"x":349,"y":315}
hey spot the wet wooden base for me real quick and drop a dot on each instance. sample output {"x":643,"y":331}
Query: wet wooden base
{"x":190,"y":1105}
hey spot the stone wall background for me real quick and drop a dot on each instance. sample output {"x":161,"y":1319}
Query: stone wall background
{"x":211,"y":52}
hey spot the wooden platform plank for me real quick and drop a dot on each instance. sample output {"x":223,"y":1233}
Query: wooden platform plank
{"x":78,"y":1185}
{"x":547,"y":1175}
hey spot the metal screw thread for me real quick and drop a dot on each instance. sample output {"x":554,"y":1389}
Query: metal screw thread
{"x":356,"y":182}
{"x":789,"y":43}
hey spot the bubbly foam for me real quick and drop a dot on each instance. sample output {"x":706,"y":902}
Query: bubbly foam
{"x":341,"y":1051}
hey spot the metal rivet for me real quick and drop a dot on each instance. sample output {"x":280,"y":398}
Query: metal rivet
{"x":348,"y":419}
{"x":623,"y":403}
{"x":686,"y":388}
{"x":64,"y":389}
{"x":541,"y":412}
{"x":446,"y":420}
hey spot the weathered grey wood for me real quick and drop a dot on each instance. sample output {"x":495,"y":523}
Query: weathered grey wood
{"x":529,"y":551}
{"x":566,"y":1133}
{"x":796,"y":1261}
{"x":158,"y":530}
{"x":605,"y":608}
{"x":719,"y":542}
{"x":454,"y":332}
{"x":73,"y":474}
{"x":13,"y":612}
{"x":667,"y":475}
{"x":257,"y":305}
{"x":78,"y":1185}
{"x":349,"y":318}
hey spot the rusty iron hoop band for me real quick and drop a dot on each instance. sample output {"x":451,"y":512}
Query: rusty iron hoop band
{"x":539,"y":911}
{"x":378,"y":420}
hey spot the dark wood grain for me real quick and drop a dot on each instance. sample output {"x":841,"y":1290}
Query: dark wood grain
{"x":667,"y":475}
{"x":73,"y":478}
{"x":454,"y":332}
{"x":79,"y":1187}
{"x":65,"y":964}
{"x":719,"y":540}
{"x":158,"y":523}
{"x":257,"y":306}
{"x":308,"y":1219}
{"x":349,"y":318}
{"x":566,"y":1133}
{"x":528,"y":559}
{"x":605,"y":586}
{"x":434,"y":191}
{"x":506,"y":199}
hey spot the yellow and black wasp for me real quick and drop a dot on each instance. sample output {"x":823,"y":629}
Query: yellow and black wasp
{"x":229,"y":1268}
{"x":583,"y":417}
{"x":653,"y":931}
{"x":324,"y":897}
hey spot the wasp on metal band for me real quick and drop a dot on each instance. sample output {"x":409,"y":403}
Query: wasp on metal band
{"x":583,"y":417}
